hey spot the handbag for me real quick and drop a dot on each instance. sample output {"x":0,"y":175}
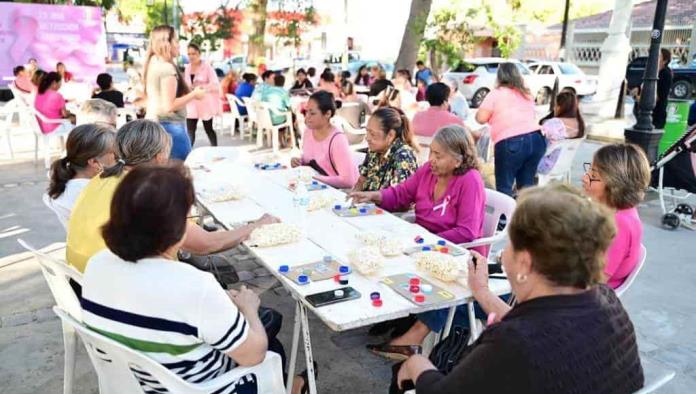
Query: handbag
{"x":448,"y":352}
{"x":316,"y":167}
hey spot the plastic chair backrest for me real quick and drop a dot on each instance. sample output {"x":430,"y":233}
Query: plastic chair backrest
{"x":119,"y":368}
{"x":632,"y":276}
{"x":263,"y":115}
{"x":233,"y":101}
{"x":352,"y":114}
{"x":250,"y":106}
{"x":569,"y":148}
{"x":61,"y":217}
{"x":497,"y":204}
{"x":58,"y":275}
{"x":28,"y":120}
{"x":24,"y":98}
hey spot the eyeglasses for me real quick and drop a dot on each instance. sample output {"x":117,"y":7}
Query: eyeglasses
{"x":588,"y":172}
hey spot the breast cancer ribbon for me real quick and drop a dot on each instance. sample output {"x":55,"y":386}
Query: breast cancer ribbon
{"x":442,"y":206}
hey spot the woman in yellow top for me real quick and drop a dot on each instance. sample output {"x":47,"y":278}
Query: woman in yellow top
{"x":138,"y":142}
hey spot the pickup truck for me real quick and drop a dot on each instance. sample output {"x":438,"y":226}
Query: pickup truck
{"x":683,"y":78}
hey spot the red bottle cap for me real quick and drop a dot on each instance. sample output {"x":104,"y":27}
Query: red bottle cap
{"x":415,"y":289}
{"x":414,"y":281}
{"x":419,"y":298}
{"x":444,"y":250}
{"x":379,"y":211}
{"x":377,"y":303}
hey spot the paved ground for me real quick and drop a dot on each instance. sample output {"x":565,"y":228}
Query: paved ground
{"x":660,"y":301}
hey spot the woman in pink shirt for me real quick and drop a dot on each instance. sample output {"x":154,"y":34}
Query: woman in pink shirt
{"x":519,"y":145}
{"x":200,"y":73}
{"x":324,"y":147}
{"x":618,"y":177}
{"x":426,"y":123}
{"x":450,"y":198}
{"x":51,"y":104}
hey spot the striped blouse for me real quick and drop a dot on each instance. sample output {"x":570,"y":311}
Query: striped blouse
{"x":172,"y":312}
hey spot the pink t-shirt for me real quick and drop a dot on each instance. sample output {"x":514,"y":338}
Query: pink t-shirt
{"x":426,"y":123}
{"x":624,"y":252}
{"x":512,"y":113}
{"x":24,"y":84}
{"x":208,"y":106}
{"x":50,"y":104}
{"x":346,"y":172}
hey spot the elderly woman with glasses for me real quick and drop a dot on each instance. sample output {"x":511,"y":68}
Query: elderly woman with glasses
{"x":617,"y":178}
{"x":449,"y":198}
{"x":567,"y":332}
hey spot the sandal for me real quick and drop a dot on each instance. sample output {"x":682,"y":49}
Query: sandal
{"x":305,"y":379}
{"x":395,"y":352}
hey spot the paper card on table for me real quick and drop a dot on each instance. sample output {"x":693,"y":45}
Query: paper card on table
{"x":417,"y":290}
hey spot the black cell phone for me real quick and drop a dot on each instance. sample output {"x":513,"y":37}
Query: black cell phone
{"x":332,"y":296}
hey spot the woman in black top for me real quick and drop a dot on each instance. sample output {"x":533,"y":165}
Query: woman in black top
{"x":567,"y":333}
{"x":664,"y":85}
{"x":301,"y":80}
{"x":107,"y":91}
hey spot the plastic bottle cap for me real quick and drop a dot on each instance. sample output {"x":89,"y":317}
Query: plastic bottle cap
{"x":343,"y":281}
{"x":444,"y":250}
{"x":303,"y":279}
{"x":419,"y":298}
{"x":315,"y":183}
{"x":283,"y":268}
{"x":425,"y":288}
{"x":338,"y":293}
{"x":375,"y":295}
{"x":414,"y":289}
{"x":425,"y":248}
{"x":379,"y":211}
{"x":323,"y":186}
{"x":377,"y":303}
{"x":344,"y":269}
{"x":441,"y":242}
{"x":414,"y":281}
{"x":419,"y":240}
{"x":337,"y":207}
{"x":276,"y":165}
{"x":337,"y":278}
{"x":363,"y":210}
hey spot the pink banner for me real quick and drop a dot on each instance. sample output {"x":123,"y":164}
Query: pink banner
{"x":50,"y":34}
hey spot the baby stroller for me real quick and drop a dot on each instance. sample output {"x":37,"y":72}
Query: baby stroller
{"x":673,"y":171}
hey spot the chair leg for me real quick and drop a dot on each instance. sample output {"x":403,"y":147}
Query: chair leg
{"x":70,"y":343}
{"x":274,"y":139}
{"x":47,"y":151}
{"x":9,"y":142}
{"x":36,"y":148}
{"x":259,"y":136}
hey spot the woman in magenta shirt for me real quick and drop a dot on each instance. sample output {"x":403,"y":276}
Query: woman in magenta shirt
{"x":324,"y":147}
{"x":450,"y":200}
{"x":618,"y":177}
{"x":51,"y":104}
{"x":519,"y":144}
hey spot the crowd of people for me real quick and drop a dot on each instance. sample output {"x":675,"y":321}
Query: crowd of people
{"x":125,"y":199}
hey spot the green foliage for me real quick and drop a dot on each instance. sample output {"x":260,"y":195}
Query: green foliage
{"x":449,"y":36}
{"x":209,"y":28}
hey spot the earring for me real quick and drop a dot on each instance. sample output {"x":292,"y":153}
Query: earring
{"x":521,"y":278}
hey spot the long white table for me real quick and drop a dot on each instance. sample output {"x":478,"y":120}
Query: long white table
{"x":326,"y":234}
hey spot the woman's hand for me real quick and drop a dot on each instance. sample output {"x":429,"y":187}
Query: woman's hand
{"x":361,"y":197}
{"x":478,"y":273}
{"x":266,"y":219}
{"x":246,"y":300}
{"x":412,"y":368}
{"x":295,"y":162}
{"x":199,"y":92}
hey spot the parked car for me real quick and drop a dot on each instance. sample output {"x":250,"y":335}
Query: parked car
{"x":236,"y":63}
{"x":569,"y":76}
{"x":476,"y":77}
{"x":683,"y":78}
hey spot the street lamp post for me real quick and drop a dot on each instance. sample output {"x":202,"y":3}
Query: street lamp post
{"x":643,"y":133}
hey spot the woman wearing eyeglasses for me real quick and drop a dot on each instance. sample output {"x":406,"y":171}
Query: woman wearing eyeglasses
{"x":617,"y":178}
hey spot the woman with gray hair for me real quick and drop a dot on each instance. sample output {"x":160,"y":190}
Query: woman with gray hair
{"x":519,"y":144}
{"x":98,"y":111}
{"x":138,"y":142}
{"x":449,"y":199}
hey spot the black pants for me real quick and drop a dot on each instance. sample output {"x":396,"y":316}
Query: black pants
{"x":192,"y":124}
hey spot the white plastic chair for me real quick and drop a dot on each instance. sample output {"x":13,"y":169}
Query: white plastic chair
{"x":252,"y":119}
{"x":266,"y":127}
{"x":497,"y":204}
{"x":561,"y":169}
{"x":355,"y":136}
{"x":234,"y":101}
{"x":57,"y":275}
{"x":61,"y":215}
{"x":115,"y":362}
{"x":123,"y":114}
{"x":632,"y":277}
{"x":28,"y":120}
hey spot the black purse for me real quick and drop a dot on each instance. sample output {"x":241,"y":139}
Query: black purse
{"x":448,"y":352}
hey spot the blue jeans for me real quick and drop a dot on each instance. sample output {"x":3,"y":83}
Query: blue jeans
{"x":181,"y":143}
{"x":516,"y":161}
{"x":435,"y":320}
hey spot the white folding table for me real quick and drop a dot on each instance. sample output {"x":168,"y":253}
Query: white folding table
{"x":326,"y":234}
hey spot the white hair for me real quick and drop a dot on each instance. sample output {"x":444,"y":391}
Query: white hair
{"x":97,"y":111}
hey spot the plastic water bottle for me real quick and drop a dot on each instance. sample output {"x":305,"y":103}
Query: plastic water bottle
{"x":300,"y":201}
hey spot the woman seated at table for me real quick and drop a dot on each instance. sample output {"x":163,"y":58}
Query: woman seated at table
{"x":138,"y":142}
{"x":362,"y":78}
{"x":567,"y":333}
{"x":565,"y":122}
{"x":64,"y":74}
{"x":325,"y":148}
{"x":391,"y":158}
{"x":618,"y":177}
{"x":51,"y":104}
{"x":301,"y":80}
{"x":426,"y":122}
{"x":89,"y":149}
{"x":107,"y":91}
{"x":228,"y":85}
{"x":449,"y":198}
{"x":184,"y":320}
{"x":327,"y":83}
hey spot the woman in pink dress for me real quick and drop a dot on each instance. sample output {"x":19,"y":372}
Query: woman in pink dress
{"x":617,"y":178}
{"x":51,"y":104}
{"x":200,"y":74}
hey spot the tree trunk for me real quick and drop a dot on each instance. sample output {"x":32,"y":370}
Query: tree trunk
{"x":413,"y":34}
{"x":257,"y":47}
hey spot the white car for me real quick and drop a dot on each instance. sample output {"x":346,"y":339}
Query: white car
{"x":569,"y":77}
{"x":476,"y":77}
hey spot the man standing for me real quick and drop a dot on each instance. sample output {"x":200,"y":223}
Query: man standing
{"x":424,"y":74}
{"x":664,"y":84}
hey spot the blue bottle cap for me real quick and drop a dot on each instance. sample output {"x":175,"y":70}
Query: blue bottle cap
{"x":363,"y":210}
{"x":303,"y":279}
{"x":441,"y":242}
{"x":419,"y":240}
{"x":283,"y":268}
{"x":344,"y":269}
{"x":324,"y":186}
{"x":337,"y":207}
{"x":315,"y":183}
{"x":276,"y":165}
{"x":425,"y":248}
{"x":375,"y":295}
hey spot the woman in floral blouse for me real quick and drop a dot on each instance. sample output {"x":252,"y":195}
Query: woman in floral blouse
{"x":391,"y":158}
